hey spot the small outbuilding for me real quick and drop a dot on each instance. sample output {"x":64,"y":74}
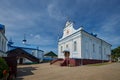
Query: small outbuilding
{"x":22,"y":55}
{"x":51,"y":54}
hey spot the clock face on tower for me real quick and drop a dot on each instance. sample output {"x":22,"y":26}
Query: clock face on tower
{"x":67,"y":32}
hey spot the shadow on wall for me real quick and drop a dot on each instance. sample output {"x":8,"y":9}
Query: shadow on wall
{"x":24,"y":71}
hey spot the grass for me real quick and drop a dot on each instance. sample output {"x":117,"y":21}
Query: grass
{"x":99,"y":64}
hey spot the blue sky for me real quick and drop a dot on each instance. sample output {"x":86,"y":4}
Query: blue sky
{"x":43,"y":20}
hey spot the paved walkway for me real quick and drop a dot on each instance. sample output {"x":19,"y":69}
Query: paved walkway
{"x":53,"y":72}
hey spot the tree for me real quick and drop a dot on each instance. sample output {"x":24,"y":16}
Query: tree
{"x":116,"y":53}
{"x":4,"y":69}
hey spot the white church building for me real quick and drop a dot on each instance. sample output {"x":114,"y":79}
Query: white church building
{"x":3,"y":41}
{"x":83,"y":45}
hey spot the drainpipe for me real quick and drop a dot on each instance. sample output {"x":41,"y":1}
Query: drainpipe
{"x":81,"y":36}
{"x":101,"y":51}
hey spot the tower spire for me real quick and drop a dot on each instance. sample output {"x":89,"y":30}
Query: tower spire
{"x":68,"y":22}
{"x":24,"y":40}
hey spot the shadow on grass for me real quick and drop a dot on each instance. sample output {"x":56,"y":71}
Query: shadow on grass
{"x":24,"y":71}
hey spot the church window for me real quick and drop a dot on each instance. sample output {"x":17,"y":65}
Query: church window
{"x":61,"y":49}
{"x":67,"y":46}
{"x":93,"y":47}
{"x":100,"y":50}
{"x":104,"y":50}
{"x":75,"y":46}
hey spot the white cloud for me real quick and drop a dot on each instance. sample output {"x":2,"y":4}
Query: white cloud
{"x":109,"y":31}
{"x":54,"y":12}
{"x":20,"y":21}
{"x":111,"y":24}
{"x":17,"y":21}
{"x":41,"y":40}
{"x":37,"y":37}
{"x":112,"y":39}
{"x":25,"y":17}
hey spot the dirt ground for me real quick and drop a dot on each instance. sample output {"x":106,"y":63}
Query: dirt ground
{"x":53,"y":72}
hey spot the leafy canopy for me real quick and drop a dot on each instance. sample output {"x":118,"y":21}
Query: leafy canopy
{"x":116,"y":53}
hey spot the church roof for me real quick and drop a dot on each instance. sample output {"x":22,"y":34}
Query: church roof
{"x":25,"y":46}
{"x":18,"y":52}
{"x":50,"y":54}
{"x":1,"y":26}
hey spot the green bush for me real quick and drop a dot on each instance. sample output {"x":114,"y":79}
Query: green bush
{"x":3,"y":67}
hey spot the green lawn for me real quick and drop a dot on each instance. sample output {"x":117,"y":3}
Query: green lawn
{"x":99,"y":64}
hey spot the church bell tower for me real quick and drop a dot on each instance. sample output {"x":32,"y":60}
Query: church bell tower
{"x":68,"y":29}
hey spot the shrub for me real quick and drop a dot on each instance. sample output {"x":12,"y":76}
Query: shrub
{"x":3,"y":68}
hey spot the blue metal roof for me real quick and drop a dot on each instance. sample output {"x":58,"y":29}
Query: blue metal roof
{"x":1,"y":26}
{"x":27,"y":46}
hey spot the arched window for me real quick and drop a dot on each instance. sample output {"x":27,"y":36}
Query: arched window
{"x":104,"y":50}
{"x":61,"y":49}
{"x":93,"y":48}
{"x":67,"y":46}
{"x":75,"y":46}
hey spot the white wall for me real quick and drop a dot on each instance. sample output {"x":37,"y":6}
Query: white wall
{"x":94,"y":48}
{"x":88,"y":47}
{"x":3,"y":44}
{"x":68,"y":30}
{"x":70,"y":42}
